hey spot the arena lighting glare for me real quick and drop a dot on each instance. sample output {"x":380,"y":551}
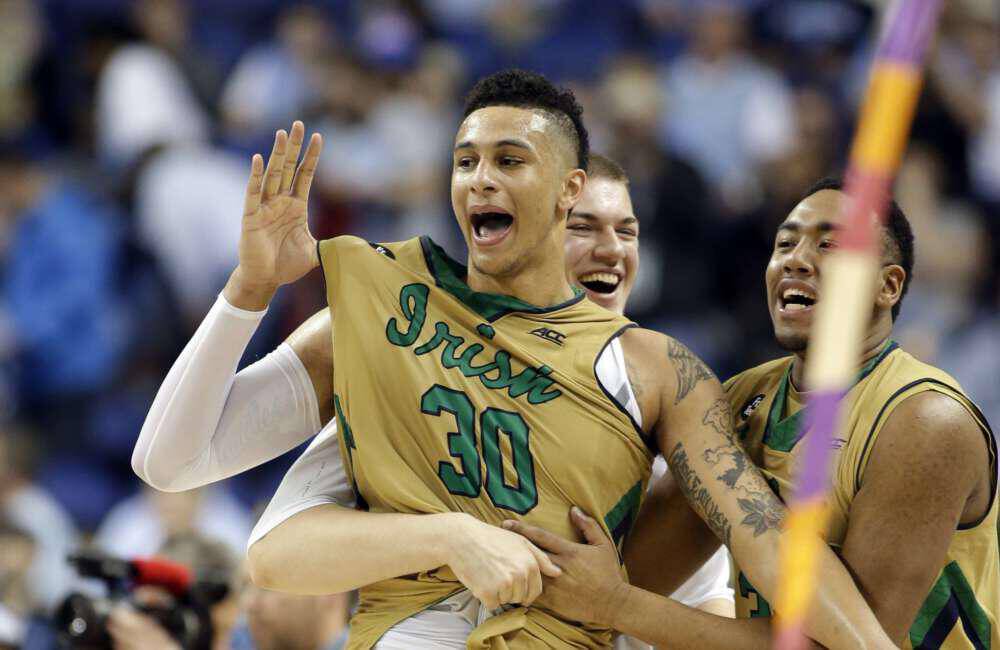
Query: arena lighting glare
{"x":835,"y":342}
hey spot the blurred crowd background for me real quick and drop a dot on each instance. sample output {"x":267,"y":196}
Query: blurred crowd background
{"x":126,"y":130}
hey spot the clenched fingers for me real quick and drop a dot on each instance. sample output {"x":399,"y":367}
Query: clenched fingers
{"x":545,"y":563}
{"x":534,"y":588}
{"x":539,"y":536}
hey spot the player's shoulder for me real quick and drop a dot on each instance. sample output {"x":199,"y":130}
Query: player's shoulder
{"x":649,"y":348}
{"x":763,"y":373}
{"x":351,"y":252}
{"x":931,"y":434}
{"x":649,"y":352}
{"x":900,"y":368}
{"x":353,"y":243}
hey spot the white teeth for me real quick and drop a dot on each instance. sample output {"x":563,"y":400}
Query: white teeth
{"x":797,"y":292}
{"x":794,"y":306}
{"x":607,"y":278}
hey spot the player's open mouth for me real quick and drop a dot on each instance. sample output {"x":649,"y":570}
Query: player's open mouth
{"x":796,"y":300}
{"x":490,"y":227}
{"x":602,"y":283}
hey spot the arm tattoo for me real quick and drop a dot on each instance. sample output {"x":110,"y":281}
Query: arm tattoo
{"x":690,"y":369}
{"x":762,"y":515}
{"x":719,"y":417}
{"x":698,"y":496}
{"x":761,"y":508}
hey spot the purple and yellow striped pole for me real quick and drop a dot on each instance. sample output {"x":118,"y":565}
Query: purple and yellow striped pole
{"x":849,"y":276}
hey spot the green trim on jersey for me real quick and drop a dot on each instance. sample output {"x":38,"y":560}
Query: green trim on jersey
{"x":782,"y":434}
{"x":449,"y":275}
{"x":951,"y":600}
{"x":620,"y":518}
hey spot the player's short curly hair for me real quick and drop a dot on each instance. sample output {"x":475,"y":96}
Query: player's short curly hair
{"x":897,"y":235}
{"x":523,"y":89}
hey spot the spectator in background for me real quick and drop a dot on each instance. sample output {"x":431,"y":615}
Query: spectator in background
{"x":965,"y":71}
{"x":60,"y":291}
{"x":279,"y":81}
{"x":141,"y":524}
{"x":27,"y":507}
{"x":416,"y":114}
{"x":724,"y":109}
{"x":188,"y":206}
{"x":942,"y":296}
{"x":21,"y":32}
{"x":16,"y":602}
{"x":668,"y":193}
{"x":151,"y":92}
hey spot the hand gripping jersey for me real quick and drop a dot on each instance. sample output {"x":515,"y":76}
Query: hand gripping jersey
{"x":961,"y":609}
{"x":450,"y":400}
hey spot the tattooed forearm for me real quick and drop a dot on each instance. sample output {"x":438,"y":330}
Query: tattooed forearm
{"x":763,"y":513}
{"x":698,"y":496}
{"x":690,"y":369}
{"x":762,"y":508}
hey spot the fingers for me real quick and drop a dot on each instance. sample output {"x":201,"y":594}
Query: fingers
{"x":304,"y":176}
{"x":292,"y":157}
{"x":534,"y":588}
{"x":539,"y":536}
{"x":591,"y":530}
{"x":545,"y":563}
{"x":517,"y":590}
{"x":272,"y":176}
{"x":252,"y":199}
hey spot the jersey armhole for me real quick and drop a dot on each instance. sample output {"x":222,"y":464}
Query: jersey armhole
{"x":991,"y":442}
{"x":611,"y":374}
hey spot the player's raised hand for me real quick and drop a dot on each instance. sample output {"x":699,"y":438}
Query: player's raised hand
{"x":276,"y":246}
{"x":591,"y":578}
{"x":498,"y":566}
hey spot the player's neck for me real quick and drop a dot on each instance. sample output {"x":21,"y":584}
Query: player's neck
{"x":871,"y":347}
{"x":541,"y":286}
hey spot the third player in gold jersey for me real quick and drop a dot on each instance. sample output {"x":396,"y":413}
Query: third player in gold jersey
{"x":914,"y":504}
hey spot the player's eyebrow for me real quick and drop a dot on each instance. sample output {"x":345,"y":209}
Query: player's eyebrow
{"x":586,"y":216}
{"x":507,"y":142}
{"x":823,"y":226}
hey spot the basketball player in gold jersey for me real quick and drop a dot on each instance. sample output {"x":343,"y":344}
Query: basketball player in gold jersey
{"x":914,"y":501}
{"x":464,"y":395}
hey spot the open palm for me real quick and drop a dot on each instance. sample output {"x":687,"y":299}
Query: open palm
{"x":276,"y":246}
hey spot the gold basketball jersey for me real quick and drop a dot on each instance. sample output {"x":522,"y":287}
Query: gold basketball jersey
{"x":961,"y":609}
{"x":451,"y":400}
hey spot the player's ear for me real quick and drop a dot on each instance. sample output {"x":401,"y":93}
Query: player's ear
{"x":572,"y":189}
{"x":890,"y":289}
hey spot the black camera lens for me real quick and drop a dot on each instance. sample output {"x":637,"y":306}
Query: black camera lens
{"x":81,"y":622}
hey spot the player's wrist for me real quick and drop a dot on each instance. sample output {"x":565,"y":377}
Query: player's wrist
{"x":247,"y":294}
{"x":615,"y":603}
{"x":450,"y":531}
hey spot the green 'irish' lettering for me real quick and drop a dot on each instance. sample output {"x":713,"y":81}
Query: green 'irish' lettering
{"x":496,"y":374}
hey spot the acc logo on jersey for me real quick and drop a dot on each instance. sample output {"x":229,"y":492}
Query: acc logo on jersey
{"x":550,"y":335}
{"x":751,"y":406}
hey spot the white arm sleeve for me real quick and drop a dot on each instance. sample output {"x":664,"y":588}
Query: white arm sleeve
{"x":316,"y":478}
{"x":208,"y":423}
